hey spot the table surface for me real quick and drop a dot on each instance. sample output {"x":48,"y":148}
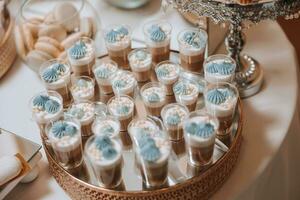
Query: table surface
{"x":267,"y":115}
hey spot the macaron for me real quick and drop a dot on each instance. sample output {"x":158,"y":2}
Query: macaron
{"x":51,"y":41}
{"x":28,"y":37}
{"x":54,"y":31}
{"x":20,"y":46}
{"x":36,"y":58}
{"x":71,"y":39}
{"x":86,"y":26}
{"x":49,"y":18}
{"x":47,"y":48}
{"x":66,"y":14}
{"x":34,"y":25}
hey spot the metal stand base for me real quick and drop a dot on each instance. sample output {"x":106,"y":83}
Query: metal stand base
{"x":250,"y":79}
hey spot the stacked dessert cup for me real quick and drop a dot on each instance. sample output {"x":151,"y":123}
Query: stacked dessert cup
{"x":152,"y":149}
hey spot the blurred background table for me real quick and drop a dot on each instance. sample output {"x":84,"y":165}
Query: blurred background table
{"x":268,"y":166}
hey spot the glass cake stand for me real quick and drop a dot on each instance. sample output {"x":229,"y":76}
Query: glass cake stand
{"x":249,"y":74}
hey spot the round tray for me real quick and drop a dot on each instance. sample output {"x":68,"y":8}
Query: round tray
{"x":8,"y":51}
{"x":201,"y":186}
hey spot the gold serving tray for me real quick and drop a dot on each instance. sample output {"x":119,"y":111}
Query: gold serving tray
{"x":181,"y":185}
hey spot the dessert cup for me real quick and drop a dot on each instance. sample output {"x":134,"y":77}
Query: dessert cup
{"x":118,"y":43}
{"x":173,"y":116}
{"x":140,"y":61}
{"x":83,"y":88}
{"x":82,"y":57}
{"x":152,"y":150}
{"x":104,"y":72}
{"x":65,"y":138}
{"x":167,"y":73}
{"x":220,"y":101}
{"x":192,"y":44}
{"x":46,"y":106}
{"x":122,"y":107}
{"x":157,"y":36}
{"x":186,"y":92}
{"x":105,"y":156}
{"x":219,"y":68}
{"x":108,"y":126}
{"x":154,"y":97}
{"x":84,"y":112}
{"x":200,"y":131}
{"x":124,"y":83}
{"x":56,"y":76}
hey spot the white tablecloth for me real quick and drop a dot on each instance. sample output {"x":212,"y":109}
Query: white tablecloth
{"x":268,"y":166}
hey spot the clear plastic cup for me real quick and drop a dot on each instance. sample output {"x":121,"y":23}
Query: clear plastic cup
{"x":219,"y":68}
{"x":124,"y":83}
{"x":83,"y":88}
{"x":200,"y":131}
{"x":118,"y":43}
{"x":157,"y":37}
{"x":154,"y":97}
{"x":140,"y":61}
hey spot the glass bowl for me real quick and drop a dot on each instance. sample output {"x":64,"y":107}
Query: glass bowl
{"x":46,"y":29}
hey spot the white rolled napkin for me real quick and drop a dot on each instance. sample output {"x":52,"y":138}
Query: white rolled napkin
{"x":10,"y":167}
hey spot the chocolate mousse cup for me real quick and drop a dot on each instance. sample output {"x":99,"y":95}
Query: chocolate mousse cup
{"x":192,"y":45}
{"x":122,"y":107}
{"x":118,"y":43}
{"x":221,"y":101}
{"x":167,"y":73}
{"x":154,"y":97}
{"x":105,"y":156}
{"x":157,"y":36}
{"x":82,"y":57}
{"x":173,"y":116}
{"x":83,"y":88}
{"x":124,"y":83}
{"x":56,"y":76}
{"x":65,"y":138}
{"x":200,"y":131}
{"x":84,"y":112}
{"x":219,"y":68}
{"x":187,"y":93}
{"x":104,"y":72}
{"x":42,"y":114}
{"x":140,"y":61}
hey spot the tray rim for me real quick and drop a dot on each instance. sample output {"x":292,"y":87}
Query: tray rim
{"x":235,"y":146}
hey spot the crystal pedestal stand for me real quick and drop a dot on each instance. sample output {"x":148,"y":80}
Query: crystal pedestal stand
{"x":249,"y":74}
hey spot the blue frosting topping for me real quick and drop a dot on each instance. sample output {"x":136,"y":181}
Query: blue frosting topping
{"x":144,"y":139}
{"x":157,"y":34}
{"x":40,"y":101}
{"x":76,"y":112}
{"x":50,"y":75}
{"x":212,"y":68}
{"x":61,"y":129}
{"x":174,"y":119}
{"x":153,"y":97}
{"x":115,"y":34}
{"x":120,"y":83}
{"x":107,"y":129}
{"x":215,"y":96}
{"x":103,"y":142}
{"x":224,"y":68}
{"x":109,"y":153}
{"x":78,"y":50}
{"x":203,"y":130}
{"x":82,"y":83}
{"x":181,"y":88}
{"x":59,"y":67}
{"x":122,"y":109}
{"x":103,"y":73}
{"x":141,"y":55}
{"x":162,"y":72}
{"x":194,"y":39}
{"x":52,"y":106}
{"x":150,"y":153}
